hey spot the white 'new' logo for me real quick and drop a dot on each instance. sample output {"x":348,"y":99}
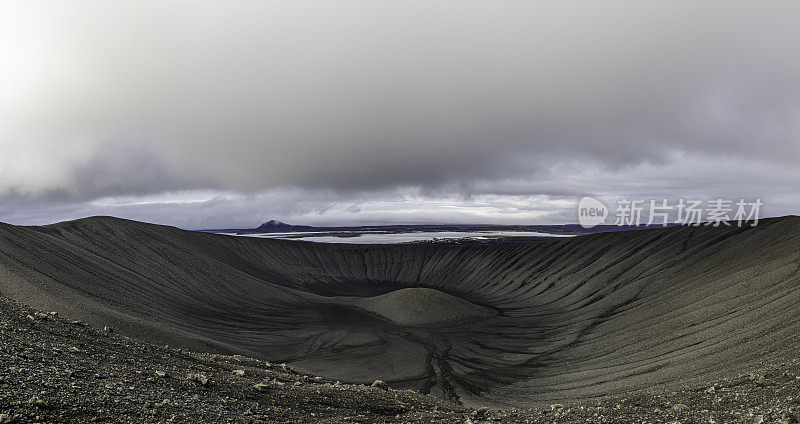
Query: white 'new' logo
{"x":591,"y":212}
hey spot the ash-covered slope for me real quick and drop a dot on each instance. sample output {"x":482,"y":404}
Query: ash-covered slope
{"x":543,"y":321}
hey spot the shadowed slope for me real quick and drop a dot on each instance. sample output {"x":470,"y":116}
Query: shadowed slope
{"x":538,"y":321}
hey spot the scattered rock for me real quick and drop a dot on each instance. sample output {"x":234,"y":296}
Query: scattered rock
{"x":8,"y":419}
{"x":380,"y":384}
{"x":679,"y":407}
{"x":756,"y":378}
{"x":478,"y":413}
{"x":199,"y":379}
{"x":555,"y":406}
{"x":41,"y":315}
{"x":35,"y":401}
{"x":161,"y":373}
{"x":239,"y":373}
{"x":261,"y":387}
{"x":108,"y":329}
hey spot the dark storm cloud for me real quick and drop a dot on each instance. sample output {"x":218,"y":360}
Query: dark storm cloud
{"x":116,"y":168}
{"x":462,"y":97}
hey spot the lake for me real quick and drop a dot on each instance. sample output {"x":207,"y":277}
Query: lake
{"x":390,"y":238}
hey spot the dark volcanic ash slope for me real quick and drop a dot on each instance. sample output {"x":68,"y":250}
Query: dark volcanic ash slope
{"x":517,"y":324}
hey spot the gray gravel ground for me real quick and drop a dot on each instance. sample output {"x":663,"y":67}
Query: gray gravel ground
{"x":56,"y":370}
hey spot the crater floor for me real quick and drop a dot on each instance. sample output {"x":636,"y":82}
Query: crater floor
{"x":422,"y":306}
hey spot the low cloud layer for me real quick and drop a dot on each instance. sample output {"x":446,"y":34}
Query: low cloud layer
{"x":361,"y":111}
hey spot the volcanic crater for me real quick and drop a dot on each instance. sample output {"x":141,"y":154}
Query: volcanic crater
{"x":510,"y":325}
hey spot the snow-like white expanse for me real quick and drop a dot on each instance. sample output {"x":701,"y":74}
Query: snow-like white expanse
{"x":381,"y":238}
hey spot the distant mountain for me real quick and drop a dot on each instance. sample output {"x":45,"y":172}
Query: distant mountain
{"x":273,"y":226}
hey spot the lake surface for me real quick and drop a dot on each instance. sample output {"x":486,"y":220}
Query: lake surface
{"x":384,"y":238}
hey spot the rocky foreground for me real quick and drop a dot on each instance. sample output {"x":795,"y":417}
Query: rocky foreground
{"x":56,"y":370}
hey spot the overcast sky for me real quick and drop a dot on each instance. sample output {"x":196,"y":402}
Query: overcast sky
{"x":226,"y":114}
